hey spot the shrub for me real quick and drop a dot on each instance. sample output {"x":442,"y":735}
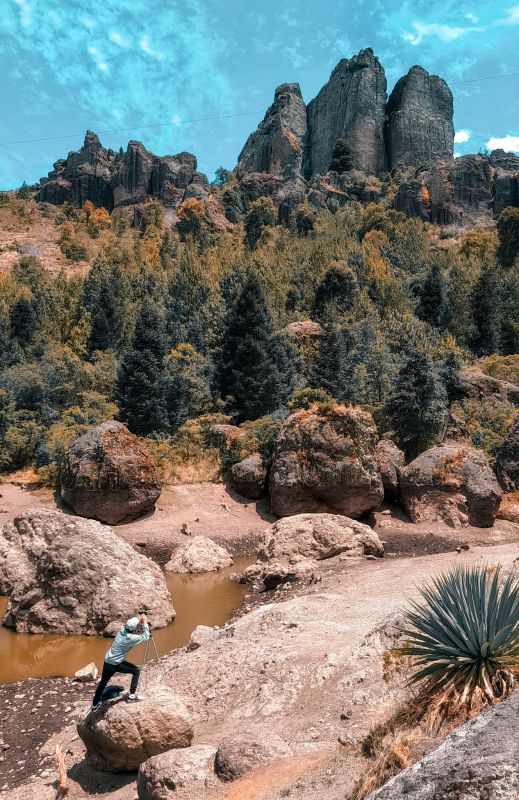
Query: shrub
{"x":308,"y":396}
{"x":463,"y":637}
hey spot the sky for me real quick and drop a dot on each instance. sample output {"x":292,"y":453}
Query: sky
{"x":162,"y":71}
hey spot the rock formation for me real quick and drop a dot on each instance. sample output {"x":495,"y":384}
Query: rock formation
{"x":248,"y":477}
{"x":121,"y":736}
{"x":199,"y":554}
{"x":479,"y":761}
{"x":325,"y":462}
{"x":242,"y":752}
{"x":68,"y":575}
{"x":452,"y":483}
{"x":507,"y":460}
{"x":346,"y":119}
{"x":419,"y":120}
{"x":108,"y":475}
{"x":182,"y":773}
{"x":390,"y":461}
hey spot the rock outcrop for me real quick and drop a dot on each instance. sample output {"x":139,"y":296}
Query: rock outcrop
{"x":419,"y":120}
{"x":113,"y":180}
{"x":479,"y":761}
{"x":452,"y":483}
{"x":507,"y":460}
{"x":346,"y":119}
{"x":242,"y":752}
{"x":182,"y":773}
{"x":199,"y":554}
{"x":326,"y":462}
{"x":67,"y":575}
{"x":108,"y":475}
{"x":390,"y":460}
{"x":480,"y":386}
{"x":248,"y":477}
{"x":121,"y":736}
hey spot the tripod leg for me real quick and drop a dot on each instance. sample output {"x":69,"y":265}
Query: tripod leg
{"x":145,"y":661}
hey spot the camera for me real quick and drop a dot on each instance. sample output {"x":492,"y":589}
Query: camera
{"x":142,"y":611}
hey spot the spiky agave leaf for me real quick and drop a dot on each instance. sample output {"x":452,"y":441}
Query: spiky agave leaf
{"x":463,"y":634}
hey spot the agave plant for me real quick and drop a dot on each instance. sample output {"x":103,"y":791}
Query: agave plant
{"x":463,"y":635}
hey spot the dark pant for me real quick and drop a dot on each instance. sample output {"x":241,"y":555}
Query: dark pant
{"x":109,"y":670}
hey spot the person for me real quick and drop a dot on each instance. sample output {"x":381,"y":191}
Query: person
{"x":135,"y":631}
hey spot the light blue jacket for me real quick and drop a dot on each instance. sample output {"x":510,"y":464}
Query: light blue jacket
{"x":123,"y":643}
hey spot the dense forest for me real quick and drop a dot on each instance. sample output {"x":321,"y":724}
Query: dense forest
{"x":173,"y":328}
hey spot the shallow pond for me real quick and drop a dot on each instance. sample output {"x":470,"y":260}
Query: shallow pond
{"x":208,"y":599}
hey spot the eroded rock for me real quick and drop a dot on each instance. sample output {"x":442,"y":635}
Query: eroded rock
{"x":68,"y":575}
{"x":121,"y":735}
{"x":108,"y":475}
{"x":390,"y":461}
{"x":176,"y":773}
{"x":199,"y":554}
{"x":507,"y":460}
{"x":248,"y":476}
{"x":241,"y":752}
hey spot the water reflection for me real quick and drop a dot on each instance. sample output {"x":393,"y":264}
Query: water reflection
{"x":208,"y":599}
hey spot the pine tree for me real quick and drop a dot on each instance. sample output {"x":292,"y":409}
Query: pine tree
{"x":432,"y":302}
{"x":450,"y":374}
{"x":107,"y":328}
{"x":261,"y":214}
{"x":249,"y":370}
{"x":331,"y":370}
{"x":336,"y":293}
{"x":486,"y":305}
{"x":417,"y":406}
{"x":508,"y":232}
{"x":24,"y":322}
{"x":186,"y":316}
{"x":141,"y":378}
{"x":188,"y":393}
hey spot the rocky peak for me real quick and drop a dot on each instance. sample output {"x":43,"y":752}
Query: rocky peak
{"x":419,"y":120}
{"x":276,"y":147}
{"x":351,"y":108}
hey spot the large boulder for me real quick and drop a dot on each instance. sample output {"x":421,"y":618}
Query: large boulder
{"x":325,"y":461}
{"x":507,"y":460}
{"x":419,"y":120}
{"x":248,"y":477}
{"x":199,"y":554}
{"x":68,"y":575}
{"x":479,"y":761}
{"x":452,"y":483}
{"x":390,"y":461}
{"x":176,"y":773}
{"x":121,"y":735}
{"x":108,"y":475}
{"x":347,"y":117}
{"x":242,"y":752}
{"x":480,"y":386}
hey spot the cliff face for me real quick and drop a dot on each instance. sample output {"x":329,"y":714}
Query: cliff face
{"x":419,"y":126}
{"x":349,"y":110}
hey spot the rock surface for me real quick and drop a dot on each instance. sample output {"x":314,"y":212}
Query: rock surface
{"x":176,"y":773}
{"x":453,"y":483}
{"x":419,"y":120}
{"x":479,"y":761}
{"x":68,"y":575}
{"x":326,"y":463}
{"x":390,"y":461}
{"x":480,"y":386}
{"x":241,"y":752}
{"x":199,"y":554}
{"x":507,"y":460}
{"x":248,"y":477}
{"x":108,"y":475}
{"x":349,"y":109}
{"x":121,"y":736}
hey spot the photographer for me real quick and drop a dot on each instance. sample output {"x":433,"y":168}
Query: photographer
{"x":134,"y":632}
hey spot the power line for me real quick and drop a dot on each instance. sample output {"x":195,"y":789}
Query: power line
{"x":133,"y":128}
{"x":487,"y":78}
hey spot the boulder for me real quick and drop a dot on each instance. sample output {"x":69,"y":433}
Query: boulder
{"x":480,"y":386}
{"x":452,"y":483}
{"x":248,"y":477}
{"x":242,"y":752}
{"x":176,"y":773}
{"x":507,"y":460}
{"x":86,"y":674}
{"x":68,"y":575}
{"x":348,"y":115}
{"x":479,"y":761}
{"x":326,"y":462}
{"x":200,"y":636}
{"x":307,"y":336}
{"x":419,"y":120}
{"x":108,"y":475}
{"x":199,"y":554}
{"x":390,"y":461}
{"x":121,"y":735}
{"x":509,"y":508}
{"x":225,"y":436}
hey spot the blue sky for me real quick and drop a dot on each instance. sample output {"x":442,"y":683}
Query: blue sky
{"x":69,"y":65}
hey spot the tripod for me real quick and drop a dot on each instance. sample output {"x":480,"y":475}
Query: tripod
{"x":148,"y":661}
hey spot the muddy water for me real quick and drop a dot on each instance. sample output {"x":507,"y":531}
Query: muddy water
{"x":208,"y":599}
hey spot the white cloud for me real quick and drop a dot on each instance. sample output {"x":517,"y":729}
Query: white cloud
{"x":446,"y":33}
{"x":457,"y":155}
{"x":175,"y":119}
{"x":102,"y":66}
{"x":145,"y":46}
{"x":461,"y":136}
{"x":116,"y":38}
{"x":512,"y":17}
{"x":471,"y":17}
{"x":508,"y":143}
{"x":25,"y":12}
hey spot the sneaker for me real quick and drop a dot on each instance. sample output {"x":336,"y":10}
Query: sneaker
{"x":134,"y":698}
{"x":96,"y":707}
